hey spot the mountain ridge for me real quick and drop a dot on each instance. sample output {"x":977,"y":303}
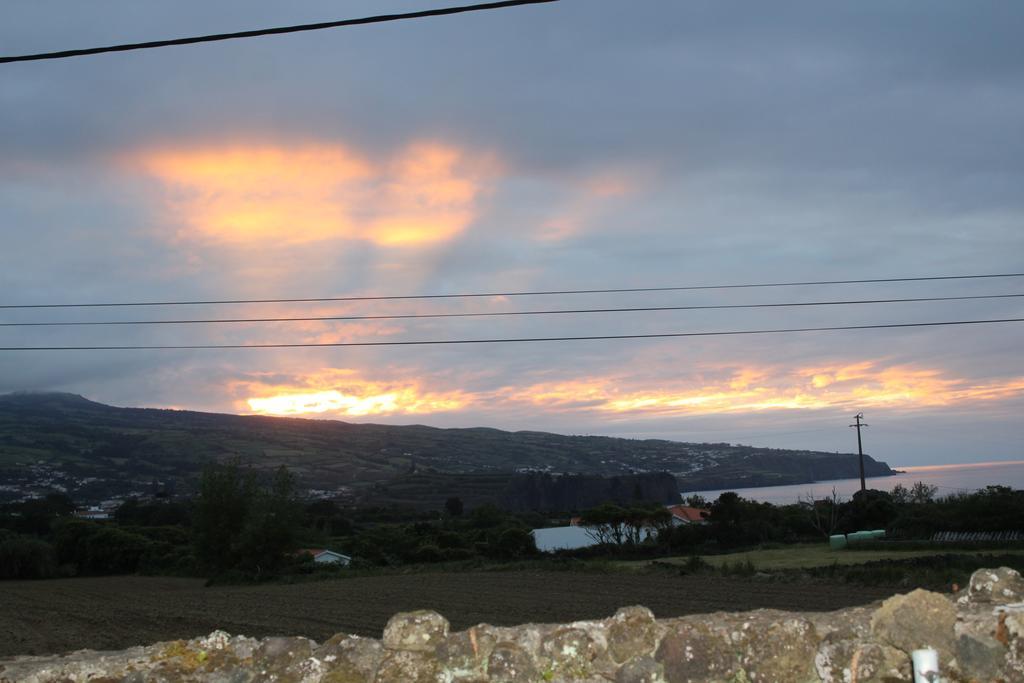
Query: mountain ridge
{"x":69,"y":439}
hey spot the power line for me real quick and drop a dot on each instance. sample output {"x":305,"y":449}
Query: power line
{"x":407,"y":316}
{"x":410,"y":297}
{"x":298,"y":28}
{"x":426,"y":342}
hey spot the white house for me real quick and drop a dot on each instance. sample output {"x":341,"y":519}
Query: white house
{"x":562,"y":538}
{"x":94,"y":512}
{"x":324,"y":556}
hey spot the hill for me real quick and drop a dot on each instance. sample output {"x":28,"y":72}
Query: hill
{"x":65,"y":441}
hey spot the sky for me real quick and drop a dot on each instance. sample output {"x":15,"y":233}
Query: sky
{"x":583,"y":144}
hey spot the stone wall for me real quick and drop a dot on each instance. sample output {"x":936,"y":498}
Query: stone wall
{"x":978,"y":633}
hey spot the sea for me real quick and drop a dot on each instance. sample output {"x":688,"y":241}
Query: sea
{"x":948,"y":479}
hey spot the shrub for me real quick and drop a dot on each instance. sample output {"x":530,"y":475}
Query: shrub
{"x":23,"y":557}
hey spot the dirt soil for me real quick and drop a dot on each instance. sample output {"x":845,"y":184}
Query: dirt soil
{"x":49,"y":617}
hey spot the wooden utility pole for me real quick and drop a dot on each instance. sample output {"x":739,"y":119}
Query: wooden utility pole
{"x":860,"y":449}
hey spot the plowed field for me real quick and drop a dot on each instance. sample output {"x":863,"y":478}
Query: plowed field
{"x":46,"y":617}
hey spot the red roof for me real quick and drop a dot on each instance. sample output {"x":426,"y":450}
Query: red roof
{"x":688,"y":514}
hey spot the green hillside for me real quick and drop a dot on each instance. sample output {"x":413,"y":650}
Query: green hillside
{"x":65,"y":440}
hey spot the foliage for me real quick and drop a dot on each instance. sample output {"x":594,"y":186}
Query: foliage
{"x":152,"y":514}
{"x":25,"y":557}
{"x":486,"y":532}
{"x":935,"y":572}
{"x":325,"y":517}
{"x":34,"y":516}
{"x":453,"y":506}
{"x":239,"y":524}
{"x":614,"y":525}
{"x":823,"y":513}
{"x":96,"y":549}
{"x":221,"y":511}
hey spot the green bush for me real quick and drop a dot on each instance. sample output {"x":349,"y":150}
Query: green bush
{"x":427,"y":553}
{"x":99,"y":549}
{"x":23,"y":557}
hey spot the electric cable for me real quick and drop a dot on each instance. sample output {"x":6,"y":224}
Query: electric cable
{"x":410,"y":297}
{"x":378,"y":19}
{"x":437,"y":342}
{"x":488,"y":314}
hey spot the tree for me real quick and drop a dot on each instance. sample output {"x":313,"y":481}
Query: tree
{"x":38,"y":514}
{"x":900,"y":494}
{"x":225,"y":499}
{"x":697,"y":501}
{"x":824,"y":513}
{"x":453,"y":506}
{"x":24,"y":557}
{"x":870,"y":509}
{"x":605,"y":524}
{"x":736,"y":521}
{"x":515,"y":542}
{"x":921,"y":492}
{"x":326,"y":517}
{"x":268,"y":534}
{"x":239,"y":524}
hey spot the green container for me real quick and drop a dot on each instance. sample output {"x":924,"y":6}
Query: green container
{"x":878,"y":533}
{"x":858,"y":537}
{"x":837,"y":542}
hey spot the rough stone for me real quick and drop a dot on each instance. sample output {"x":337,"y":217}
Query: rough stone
{"x":982,"y":657}
{"x":349,"y":659}
{"x":778,"y":649}
{"x":277,"y":658}
{"x":633,"y":633}
{"x":980,"y":639}
{"x":510,"y":663}
{"x":693,"y":653}
{"x":839,"y":661}
{"x":420,"y":631}
{"x":403,"y":666}
{"x":464,"y":655}
{"x":641,"y":670}
{"x":916,"y":620}
{"x":568,"y":653}
{"x":994,"y":586}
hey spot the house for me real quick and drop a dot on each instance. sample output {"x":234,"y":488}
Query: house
{"x":94,"y":513}
{"x":324,"y":556}
{"x":563,"y":538}
{"x":684,"y":514}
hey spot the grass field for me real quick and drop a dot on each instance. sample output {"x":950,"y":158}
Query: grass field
{"x":49,"y":617}
{"x":807,"y":555}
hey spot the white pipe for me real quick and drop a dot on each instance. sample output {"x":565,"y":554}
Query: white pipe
{"x":926,"y":665}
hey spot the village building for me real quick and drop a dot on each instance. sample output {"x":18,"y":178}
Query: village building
{"x":324,"y":556}
{"x":684,"y":514}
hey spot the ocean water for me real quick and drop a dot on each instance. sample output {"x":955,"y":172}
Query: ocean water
{"x":948,"y":478}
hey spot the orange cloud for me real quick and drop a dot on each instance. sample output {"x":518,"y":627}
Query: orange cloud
{"x":751,"y":389}
{"x":307,"y":193}
{"x":346,"y":392}
{"x":593,"y":196}
{"x":342,"y":392}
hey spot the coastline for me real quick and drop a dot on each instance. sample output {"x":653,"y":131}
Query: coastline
{"x":948,"y":479}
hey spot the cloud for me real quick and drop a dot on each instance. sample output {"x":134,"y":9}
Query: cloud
{"x":697,"y":143}
{"x":587,"y":203}
{"x":869,"y":384}
{"x":270,"y":193}
{"x":713,"y":391}
{"x":340,"y":392}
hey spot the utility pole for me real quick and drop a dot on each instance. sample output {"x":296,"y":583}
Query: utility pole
{"x":860,"y":449}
